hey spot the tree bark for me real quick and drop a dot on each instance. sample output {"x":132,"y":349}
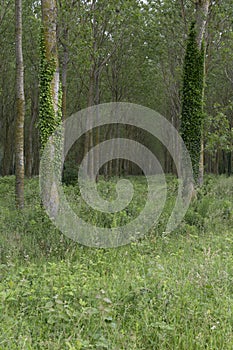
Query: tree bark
{"x":20,"y":105}
{"x":29,"y":156}
{"x":65,"y":60}
{"x":49,"y":19}
{"x":202,"y":10}
{"x":7,"y":159}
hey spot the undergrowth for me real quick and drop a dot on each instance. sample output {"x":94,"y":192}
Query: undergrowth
{"x":165,"y":291}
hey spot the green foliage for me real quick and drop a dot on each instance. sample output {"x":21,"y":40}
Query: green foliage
{"x":192,"y":99}
{"x":48,"y":118}
{"x":219,"y":133}
{"x":70,"y":173}
{"x":163,"y":292}
{"x":142,"y":45}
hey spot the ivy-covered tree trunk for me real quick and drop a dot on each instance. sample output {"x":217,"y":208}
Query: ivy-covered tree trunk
{"x":192,"y":99}
{"x":50,"y":97}
{"x":20,"y":102}
{"x":202,"y":10}
{"x":193,"y":90}
{"x":49,"y":77}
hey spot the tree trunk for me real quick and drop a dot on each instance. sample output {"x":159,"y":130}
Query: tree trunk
{"x":20,"y":104}
{"x":202,"y":10}
{"x":88,"y":143}
{"x":64,"y":72}
{"x":217,"y":163}
{"x":49,"y":19}
{"x":7,"y":160}
{"x":29,"y":150}
{"x":229,"y":168}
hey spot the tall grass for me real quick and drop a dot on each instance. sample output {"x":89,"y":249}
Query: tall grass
{"x":166,"y":291}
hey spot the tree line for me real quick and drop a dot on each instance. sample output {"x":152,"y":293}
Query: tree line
{"x":102,"y":51}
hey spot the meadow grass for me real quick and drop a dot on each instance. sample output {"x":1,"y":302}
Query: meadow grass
{"x":165,"y":291}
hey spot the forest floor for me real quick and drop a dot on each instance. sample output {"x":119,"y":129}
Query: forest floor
{"x":165,"y":291}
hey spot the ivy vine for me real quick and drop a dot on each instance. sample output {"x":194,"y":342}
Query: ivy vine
{"x":49,"y":120}
{"x":192,"y":99}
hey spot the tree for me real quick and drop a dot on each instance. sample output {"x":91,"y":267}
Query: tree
{"x":192,"y":114}
{"x":7,"y":85}
{"x":32,"y":20}
{"x":218,"y":137}
{"x":20,"y":103}
{"x":219,"y":87}
{"x":192,"y":99}
{"x":50,"y":114}
{"x":50,"y":96}
{"x":114,"y":51}
{"x":202,"y":10}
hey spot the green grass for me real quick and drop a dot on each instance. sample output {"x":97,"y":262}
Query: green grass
{"x":166,"y":291}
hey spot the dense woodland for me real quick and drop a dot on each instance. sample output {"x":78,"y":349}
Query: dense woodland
{"x":117,"y":51}
{"x":171,"y":286}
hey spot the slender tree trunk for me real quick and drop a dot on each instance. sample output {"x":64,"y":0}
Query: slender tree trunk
{"x":7,"y":160}
{"x":20,"y":103}
{"x":88,"y":145}
{"x":36,"y":153}
{"x":217,"y":163}
{"x":49,"y":19}
{"x":29,"y":151}
{"x":92,"y":136}
{"x":202,"y":10}
{"x":64,"y":73}
{"x":110,"y":163}
{"x":229,"y":167}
